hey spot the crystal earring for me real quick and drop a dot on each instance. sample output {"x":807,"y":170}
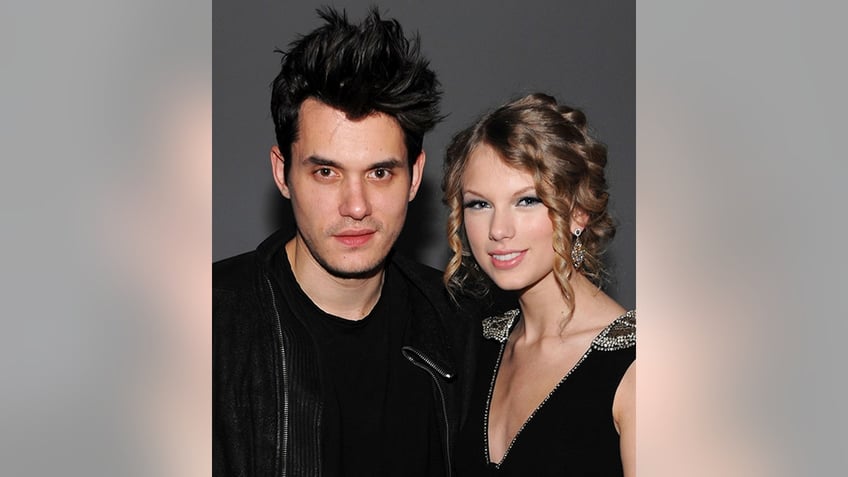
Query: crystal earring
{"x":577,"y":250}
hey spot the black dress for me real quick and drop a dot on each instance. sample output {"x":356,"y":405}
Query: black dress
{"x":571,"y":433}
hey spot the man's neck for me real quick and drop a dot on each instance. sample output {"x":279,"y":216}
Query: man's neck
{"x":349,"y":298}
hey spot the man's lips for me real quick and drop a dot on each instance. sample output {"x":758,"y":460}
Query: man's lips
{"x":354,"y":238}
{"x":505,"y":259}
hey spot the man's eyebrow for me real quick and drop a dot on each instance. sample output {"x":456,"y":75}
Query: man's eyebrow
{"x":387,"y":164}
{"x":323,"y":161}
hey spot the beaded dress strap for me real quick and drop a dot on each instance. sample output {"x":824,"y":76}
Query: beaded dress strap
{"x":620,"y":334}
{"x":497,"y":327}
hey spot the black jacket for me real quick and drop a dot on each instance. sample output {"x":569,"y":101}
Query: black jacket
{"x":267,"y":389}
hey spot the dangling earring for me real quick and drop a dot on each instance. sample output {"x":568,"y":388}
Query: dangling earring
{"x":577,"y":250}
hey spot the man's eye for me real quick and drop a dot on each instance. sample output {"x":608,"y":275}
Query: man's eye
{"x":381,"y":173}
{"x":325,"y":172}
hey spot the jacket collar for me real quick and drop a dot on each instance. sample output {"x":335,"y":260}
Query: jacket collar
{"x":430,"y":307}
{"x":271,"y":246}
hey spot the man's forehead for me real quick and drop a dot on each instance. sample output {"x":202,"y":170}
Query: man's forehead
{"x":327,"y":133}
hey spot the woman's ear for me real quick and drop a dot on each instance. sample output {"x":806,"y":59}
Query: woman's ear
{"x":579,"y":219}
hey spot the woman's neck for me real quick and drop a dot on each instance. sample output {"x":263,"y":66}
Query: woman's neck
{"x":545,"y":311}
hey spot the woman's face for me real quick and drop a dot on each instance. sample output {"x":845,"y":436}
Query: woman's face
{"x":508,"y":228}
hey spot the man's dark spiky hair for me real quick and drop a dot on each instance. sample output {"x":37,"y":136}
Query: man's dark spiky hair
{"x":358,"y":69}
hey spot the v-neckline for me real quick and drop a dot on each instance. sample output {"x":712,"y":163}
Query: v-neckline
{"x":538,"y":407}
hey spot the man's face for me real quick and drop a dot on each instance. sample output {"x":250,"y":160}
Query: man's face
{"x":349,"y":184}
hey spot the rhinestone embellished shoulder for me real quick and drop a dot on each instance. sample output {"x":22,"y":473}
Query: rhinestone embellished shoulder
{"x":497,"y":327}
{"x":620,"y":334}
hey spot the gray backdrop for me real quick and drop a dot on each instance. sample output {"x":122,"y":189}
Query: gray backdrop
{"x":583,"y":53}
{"x":106,"y":134}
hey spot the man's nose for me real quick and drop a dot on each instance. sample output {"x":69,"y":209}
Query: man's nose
{"x":354,"y":200}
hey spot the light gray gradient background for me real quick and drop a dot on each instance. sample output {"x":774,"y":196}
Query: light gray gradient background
{"x":484,"y":54}
{"x":106,"y":187}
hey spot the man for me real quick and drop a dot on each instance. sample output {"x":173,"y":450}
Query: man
{"x":333,"y":355}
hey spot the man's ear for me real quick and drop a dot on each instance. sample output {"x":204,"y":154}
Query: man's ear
{"x":278,"y":166}
{"x":417,"y":175}
{"x":579,"y":219}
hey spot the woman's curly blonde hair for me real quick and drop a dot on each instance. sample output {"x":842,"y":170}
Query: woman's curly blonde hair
{"x":552,"y":142}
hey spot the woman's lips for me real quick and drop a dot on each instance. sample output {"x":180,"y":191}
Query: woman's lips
{"x":503,"y":260}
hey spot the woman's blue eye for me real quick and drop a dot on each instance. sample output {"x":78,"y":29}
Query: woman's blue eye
{"x":528,"y":201}
{"x":475,"y":204}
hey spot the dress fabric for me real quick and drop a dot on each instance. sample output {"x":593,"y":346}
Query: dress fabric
{"x":572,"y":432}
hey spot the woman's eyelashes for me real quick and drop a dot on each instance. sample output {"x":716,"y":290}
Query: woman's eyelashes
{"x":527,"y":201}
{"x":475,"y":204}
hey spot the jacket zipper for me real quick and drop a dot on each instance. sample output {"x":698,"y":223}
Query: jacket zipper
{"x":446,"y":375}
{"x":281,"y":449}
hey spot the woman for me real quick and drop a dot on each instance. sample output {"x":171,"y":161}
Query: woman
{"x":554,"y":393}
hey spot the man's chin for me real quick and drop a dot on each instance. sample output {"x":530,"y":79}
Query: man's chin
{"x":350,"y":271}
